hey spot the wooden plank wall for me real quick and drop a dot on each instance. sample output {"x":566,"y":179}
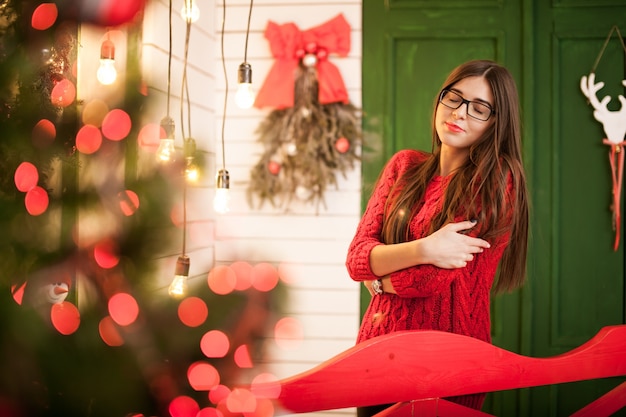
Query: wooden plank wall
{"x":309,"y":247}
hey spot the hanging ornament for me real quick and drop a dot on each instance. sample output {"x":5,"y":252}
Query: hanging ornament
{"x":614,"y":124}
{"x":342,"y":145}
{"x":311,"y":111}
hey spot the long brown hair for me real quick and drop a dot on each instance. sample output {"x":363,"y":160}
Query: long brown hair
{"x":493,"y":159}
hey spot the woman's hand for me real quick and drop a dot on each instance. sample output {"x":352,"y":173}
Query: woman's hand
{"x":449,"y":248}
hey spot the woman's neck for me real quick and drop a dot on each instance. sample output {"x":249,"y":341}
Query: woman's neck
{"x":451,"y":159}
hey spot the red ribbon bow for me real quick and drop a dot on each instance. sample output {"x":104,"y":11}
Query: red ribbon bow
{"x":289,"y":45}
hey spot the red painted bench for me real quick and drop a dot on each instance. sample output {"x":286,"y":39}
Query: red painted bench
{"x":427,"y":365}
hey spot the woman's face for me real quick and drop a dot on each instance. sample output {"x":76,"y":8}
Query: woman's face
{"x":456,"y":129}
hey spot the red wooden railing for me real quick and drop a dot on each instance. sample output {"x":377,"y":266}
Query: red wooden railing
{"x":416,"y":369}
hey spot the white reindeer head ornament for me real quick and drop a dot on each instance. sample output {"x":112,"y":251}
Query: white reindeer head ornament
{"x":614,"y":122}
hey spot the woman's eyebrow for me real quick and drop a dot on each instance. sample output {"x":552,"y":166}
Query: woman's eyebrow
{"x":456,"y":90}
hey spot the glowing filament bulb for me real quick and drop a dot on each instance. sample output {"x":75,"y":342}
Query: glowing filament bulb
{"x":166,"y":151}
{"x":178,"y":287}
{"x":222,"y":194}
{"x":107,"y":74}
{"x":190,"y":11}
{"x":245,"y":94}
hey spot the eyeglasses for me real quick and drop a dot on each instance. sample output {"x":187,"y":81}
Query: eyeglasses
{"x":475,"y":109}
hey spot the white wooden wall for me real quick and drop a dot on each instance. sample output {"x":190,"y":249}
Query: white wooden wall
{"x":309,"y":247}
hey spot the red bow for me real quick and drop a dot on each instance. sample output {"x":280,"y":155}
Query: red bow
{"x":289,"y":45}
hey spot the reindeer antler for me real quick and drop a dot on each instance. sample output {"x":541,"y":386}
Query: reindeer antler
{"x":614,"y":122}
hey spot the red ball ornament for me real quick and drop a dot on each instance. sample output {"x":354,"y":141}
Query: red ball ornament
{"x":342,"y":145}
{"x":273,"y":167}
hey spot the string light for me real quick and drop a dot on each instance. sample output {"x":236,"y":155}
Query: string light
{"x":222,"y":180}
{"x":178,"y":287}
{"x":190,"y":11}
{"x":166,"y":153}
{"x":107,"y":74}
{"x":245,"y":94}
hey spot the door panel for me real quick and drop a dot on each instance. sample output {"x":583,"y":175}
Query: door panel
{"x":575,"y":278}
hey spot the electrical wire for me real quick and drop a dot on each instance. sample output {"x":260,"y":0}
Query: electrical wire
{"x":245,"y":51}
{"x":225,"y":88}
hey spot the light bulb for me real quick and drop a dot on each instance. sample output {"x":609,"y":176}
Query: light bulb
{"x":107,"y":74}
{"x":190,"y":11}
{"x":166,"y":151}
{"x":245,"y":94}
{"x":222,"y":194}
{"x":178,"y":287}
{"x":192,"y":173}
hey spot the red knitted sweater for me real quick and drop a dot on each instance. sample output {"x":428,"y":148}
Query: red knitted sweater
{"x":428,"y":297}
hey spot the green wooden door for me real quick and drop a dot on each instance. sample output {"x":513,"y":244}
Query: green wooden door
{"x":576,"y":280}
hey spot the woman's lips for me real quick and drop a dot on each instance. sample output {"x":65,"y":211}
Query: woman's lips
{"x":454,"y":128}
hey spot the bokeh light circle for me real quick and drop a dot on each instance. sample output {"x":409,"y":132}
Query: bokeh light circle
{"x":36,"y":201}
{"x":149,"y":137}
{"x":222,"y":280}
{"x":44,"y":16}
{"x":264,"y":408}
{"x":44,"y":133}
{"x":183,"y":406}
{"x":288,"y":333}
{"x":241,"y":400}
{"x":129,"y":202}
{"x":214,"y":344}
{"x":109,"y":332}
{"x":65,"y":317}
{"x":123,"y":309}
{"x":243,"y":273}
{"x":203,"y":376}
{"x":26,"y":176}
{"x":88,"y":139}
{"x":266,"y":385}
{"x":63,"y":93}
{"x":264,"y":277}
{"x":192,"y":311}
{"x":219,"y":394}
{"x":94,"y":112}
{"x":242,"y":357}
{"x":105,"y":254}
{"x":116,"y":125}
{"x":210,"y":412}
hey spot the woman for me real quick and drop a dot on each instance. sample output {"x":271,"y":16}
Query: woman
{"x":438,"y":224}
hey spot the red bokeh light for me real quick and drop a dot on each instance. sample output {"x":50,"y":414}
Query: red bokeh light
{"x":88,"y":139}
{"x":18,"y":293}
{"x":123,"y":309}
{"x":65,"y":317}
{"x":129,"y":202}
{"x":210,"y":412}
{"x":266,"y":385}
{"x":241,"y":400}
{"x":264,"y":408}
{"x":264,"y":277}
{"x":26,"y":176}
{"x":288,"y":333}
{"x":63,"y":93}
{"x":44,"y":133}
{"x":222,"y":280}
{"x":109,"y":332}
{"x":44,"y":16}
{"x":219,"y":394}
{"x":192,"y":311}
{"x":203,"y":376}
{"x":149,"y":137}
{"x":36,"y":201}
{"x":243,"y":272}
{"x":242,"y":357}
{"x":214,"y":344}
{"x":116,"y":125}
{"x":183,"y":406}
{"x":105,"y":254}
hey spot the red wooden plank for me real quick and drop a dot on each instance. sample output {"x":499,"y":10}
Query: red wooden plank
{"x":431,"y":407}
{"x":410,"y":365}
{"x":608,"y":404}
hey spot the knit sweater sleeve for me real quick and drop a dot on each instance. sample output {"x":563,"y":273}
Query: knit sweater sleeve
{"x":427,"y":280}
{"x":368,"y":233}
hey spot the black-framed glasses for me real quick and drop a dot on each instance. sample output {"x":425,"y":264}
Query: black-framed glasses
{"x":475,"y":109}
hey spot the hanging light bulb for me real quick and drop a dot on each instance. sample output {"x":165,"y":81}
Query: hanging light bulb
{"x":245,"y":95}
{"x":192,"y":172}
{"x":178,"y":287}
{"x":190,"y":11}
{"x":107,"y":74}
{"x":222,"y":194}
{"x":166,"y":151}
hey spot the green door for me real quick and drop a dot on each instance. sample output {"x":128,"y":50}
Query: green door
{"x":576,"y":279}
